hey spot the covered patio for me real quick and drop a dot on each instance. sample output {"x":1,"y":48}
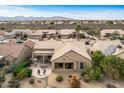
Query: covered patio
{"x":42,"y":57}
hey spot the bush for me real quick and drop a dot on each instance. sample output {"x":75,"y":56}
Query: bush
{"x":13,"y":83}
{"x":17,"y":68}
{"x":31,"y":81}
{"x":86,"y":78}
{"x":22,"y":74}
{"x":110,"y":86}
{"x":95,"y":73}
{"x":29,"y":72}
{"x":75,"y":83}
{"x":59,"y":78}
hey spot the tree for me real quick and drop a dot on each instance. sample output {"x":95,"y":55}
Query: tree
{"x":94,"y":32}
{"x":95,"y":73}
{"x":77,"y":29}
{"x":109,"y":22}
{"x":97,"y":56}
{"x":111,"y":66}
{"x":51,"y":23}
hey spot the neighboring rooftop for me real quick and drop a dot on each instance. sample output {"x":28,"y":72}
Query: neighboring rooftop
{"x":13,"y":50}
{"x":30,"y":43}
{"x":119,"y":31}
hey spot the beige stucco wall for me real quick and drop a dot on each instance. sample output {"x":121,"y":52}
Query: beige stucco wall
{"x":77,"y":59}
{"x":64,"y":59}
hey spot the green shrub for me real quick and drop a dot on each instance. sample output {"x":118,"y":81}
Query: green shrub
{"x":59,"y":78}
{"x":86,"y":78}
{"x":95,"y":73}
{"x":29,"y":72}
{"x":22,"y":74}
{"x":16,"y":68}
{"x":31,"y":81}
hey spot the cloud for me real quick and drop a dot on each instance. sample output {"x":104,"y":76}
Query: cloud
{"x":107,"y":14}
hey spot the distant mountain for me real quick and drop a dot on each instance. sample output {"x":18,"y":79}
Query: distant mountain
{"x":22,"y":18}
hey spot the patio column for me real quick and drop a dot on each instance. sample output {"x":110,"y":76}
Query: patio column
{"x":43,"y":59}
{"x":64,"y":66}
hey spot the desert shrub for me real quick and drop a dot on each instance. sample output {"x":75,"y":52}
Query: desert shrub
{"x":110,"y":86}
{"x":59,"y":78}
{"x":13,"y":83}
{"x":22,"y":74}
{"x":31,"y":81}
{"x":75,"y":83}
{"x":70,"y":76}
{"x":29,"y":72}
{"x":86,"y":78}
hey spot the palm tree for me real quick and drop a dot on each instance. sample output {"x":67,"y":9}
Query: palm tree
{"x":77,"y":29}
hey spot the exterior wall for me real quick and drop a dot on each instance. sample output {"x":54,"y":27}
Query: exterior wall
{"x":63,"y":59}
{"x":79,"y":58}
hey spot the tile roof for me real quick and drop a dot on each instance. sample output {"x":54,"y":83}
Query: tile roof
{"x":68,"y":47}
{"x":30,"y":43}
{"x":61,"y":47}
{"x":104,"y":31}
{"x":13,"y":50}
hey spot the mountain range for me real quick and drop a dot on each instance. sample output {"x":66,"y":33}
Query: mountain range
{"x":22,"y":18}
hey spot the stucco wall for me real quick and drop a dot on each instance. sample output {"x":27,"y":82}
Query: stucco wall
{"x":77,"y":59}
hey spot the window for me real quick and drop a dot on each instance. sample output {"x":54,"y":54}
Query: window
{"x":81,"y":65}
{"x":58,"y":65}
{"x":69,"y":65}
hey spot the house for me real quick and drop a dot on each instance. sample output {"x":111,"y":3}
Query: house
{"x":42,"y":33}
{"x":2,"y":32}
{"x":106,"y":32}
{"x":63,"y":33}
{"x":109,"y":47}
{"x":62,"y":55}
{"x":119,"y":53}
{"x":67,"y":33}
{"x":17,"y":32}
{"x":13,"y":53}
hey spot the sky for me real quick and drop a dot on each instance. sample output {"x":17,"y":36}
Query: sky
{"x":94,"y":12}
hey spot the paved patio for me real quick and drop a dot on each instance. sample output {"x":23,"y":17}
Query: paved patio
{"x":40,"y":75}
